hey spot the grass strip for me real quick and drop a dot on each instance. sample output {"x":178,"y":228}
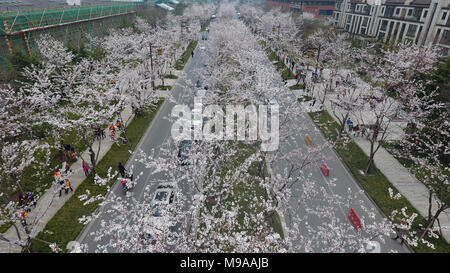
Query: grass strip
{"x":163,"y":87}
{"x":244,"y":192}
{"x":179,"y":65}
{"x":170,"y":76}
{"x":64,"y":226}
{"x":376,"y":186}
{"x":286,"y":73}
{"x":297,"y":86}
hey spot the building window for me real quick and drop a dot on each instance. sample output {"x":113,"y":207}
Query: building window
{"x":397,"y":11}
{"x":365,"y":21}
{"x":325,"y":12}
{"x":382,"y":11}
{"x":384,"y":25}
{"x":444,"y":15}
{"x":425,"y":14}
{"x":445,"y":40}
{"x":349,"y":19}
{"x":411,"y":30}
{"x":417,"y":14}
{"x":437,"y":36}
{"x":410,"y":11}
{"x":389,"y":11}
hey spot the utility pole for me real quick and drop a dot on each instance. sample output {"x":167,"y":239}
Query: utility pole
{"x":278,"y":31}
{"x":151,"y":65}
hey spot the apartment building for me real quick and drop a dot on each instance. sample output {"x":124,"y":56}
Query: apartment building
{"x":419,"y":21}
{"x":320,"y":8}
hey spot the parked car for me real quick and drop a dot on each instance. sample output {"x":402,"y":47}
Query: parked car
{"x":157,"y":223}
{"x":184,"y":149}
{"x":201,"y":92}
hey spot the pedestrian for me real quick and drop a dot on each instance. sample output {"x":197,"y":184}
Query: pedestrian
{"x":97,"y":133}
{"x":363,"y":130}
{"x":22,"y":199}
{"x":192,"y":54}
{"x":375,"y":134}
{"x":369,"y":133}
{"x":85,"y":168}
{"x":57,"y":174}
{"x":356,"y":130}
{"x":73,"y":154}
{"x":66,"y":168}
{"x":23,"y":217}
{"x":92,"y":156}
{"x":121,"y":169}
{"x":30,"y":199}
{"x":400,"y":234}
{"x":103,"y":133}
{"x":61,"y":186}
{"x":68,"y":186}
{"x":112,"y":132}
{"x":118,"y":124}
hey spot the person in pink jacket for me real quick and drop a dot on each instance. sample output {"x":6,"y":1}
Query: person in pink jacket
{"x":86,"y":168}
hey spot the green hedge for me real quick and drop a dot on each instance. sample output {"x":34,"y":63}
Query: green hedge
{"x":185,"y":57}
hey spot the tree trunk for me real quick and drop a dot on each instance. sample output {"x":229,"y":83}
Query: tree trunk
{"x":433,"y":219}
{"x":342,"y":127}
{"x":370,"y":163}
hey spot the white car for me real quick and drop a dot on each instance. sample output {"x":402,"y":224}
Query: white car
{"x":197,"y":119}
{"x":202,"y":47}
{"x":162,"y":202}
{"x":201,"y":92}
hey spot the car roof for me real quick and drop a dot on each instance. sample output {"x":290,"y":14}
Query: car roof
{"x":201,"y":92}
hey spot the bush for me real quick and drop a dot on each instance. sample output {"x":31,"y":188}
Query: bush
{"x":41,"y":131}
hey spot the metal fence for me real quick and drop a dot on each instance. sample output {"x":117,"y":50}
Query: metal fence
{"x":20,"y":29}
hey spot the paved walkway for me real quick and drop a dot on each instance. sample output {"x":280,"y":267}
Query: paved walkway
{"x":400,"y":177}
{"x":50,"y":202}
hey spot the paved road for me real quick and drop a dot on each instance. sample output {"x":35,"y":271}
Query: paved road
{"x":344,"y":180}
{"x":157,"y":134}
{"x":160,"y":131}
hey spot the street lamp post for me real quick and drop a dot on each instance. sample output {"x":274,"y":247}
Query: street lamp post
{"x":151,"y":67}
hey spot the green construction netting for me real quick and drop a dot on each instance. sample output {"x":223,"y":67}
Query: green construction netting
{"x":21,"y":20}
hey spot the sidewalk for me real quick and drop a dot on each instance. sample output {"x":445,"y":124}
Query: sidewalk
{"x":400,"y":177}
{"x":50,"y":202}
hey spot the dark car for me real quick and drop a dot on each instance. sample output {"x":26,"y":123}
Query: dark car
{"x":184,"y":149}
{"x":200,"y":84}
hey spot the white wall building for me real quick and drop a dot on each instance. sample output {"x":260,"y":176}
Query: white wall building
{"x":419,"y":21}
